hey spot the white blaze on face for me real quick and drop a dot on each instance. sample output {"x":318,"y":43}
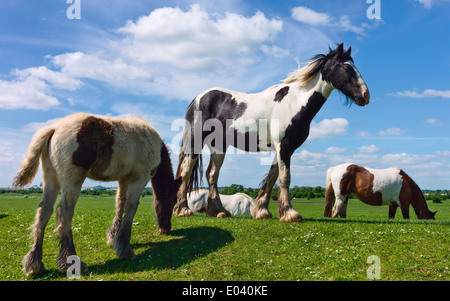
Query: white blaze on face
{"x":361,"y":82}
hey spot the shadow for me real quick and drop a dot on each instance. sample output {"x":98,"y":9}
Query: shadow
{"x":186,"y":246}
{"x":375,"y":221}
{"x":3,"y":215}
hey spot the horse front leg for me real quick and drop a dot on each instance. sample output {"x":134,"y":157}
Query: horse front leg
{"x":214,"y":205}
{"x":260,"y":210}
{"x":121,"y":242}
{"x":286,"y":213}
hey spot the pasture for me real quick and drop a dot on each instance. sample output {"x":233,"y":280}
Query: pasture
{"x":236,"y":248}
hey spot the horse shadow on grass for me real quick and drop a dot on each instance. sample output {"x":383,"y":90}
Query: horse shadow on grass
{"x":187,"y":245}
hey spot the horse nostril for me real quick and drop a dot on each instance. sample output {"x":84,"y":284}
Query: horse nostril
{"x":366,"y":96}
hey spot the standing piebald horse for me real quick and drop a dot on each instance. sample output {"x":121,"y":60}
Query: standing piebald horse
{"x":376,"y":187}
{"x":78,"y":146}
{"x":277,"y":118}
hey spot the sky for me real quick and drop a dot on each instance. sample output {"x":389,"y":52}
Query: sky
{"x":151,"y":58}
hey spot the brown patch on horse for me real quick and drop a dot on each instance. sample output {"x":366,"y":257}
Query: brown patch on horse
{"x":165,"y":190}
{"x":95,"y":139}
{"x":359,"y":180}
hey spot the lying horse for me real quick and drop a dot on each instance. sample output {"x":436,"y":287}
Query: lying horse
{"x":374,"y":187}
{"x":236,"y":204}
{"x":82,"y":146}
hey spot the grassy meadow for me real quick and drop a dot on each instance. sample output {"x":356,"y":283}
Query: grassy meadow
{"x":237,"y":248}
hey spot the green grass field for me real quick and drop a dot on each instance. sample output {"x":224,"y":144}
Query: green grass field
{"x":237,"y":248}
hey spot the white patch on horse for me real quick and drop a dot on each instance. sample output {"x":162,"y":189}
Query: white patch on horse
{"x":388,"y":182}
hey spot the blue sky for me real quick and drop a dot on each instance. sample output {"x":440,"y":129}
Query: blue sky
{"x":151,"y":58}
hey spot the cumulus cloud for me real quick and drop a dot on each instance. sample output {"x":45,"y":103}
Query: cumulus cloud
{"x":171,"y":52}
{"x":27,"y":93}
{"x":328,"y":128}
{"x":308,"y":16}
{"x":195,"y":39}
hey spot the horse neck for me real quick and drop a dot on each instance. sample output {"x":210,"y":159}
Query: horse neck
{"x":162,"y":179}
{"x":317,"y":84}
{"x":416,"y":197}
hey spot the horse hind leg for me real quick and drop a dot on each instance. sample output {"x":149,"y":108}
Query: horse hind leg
{"x":185,"y":169}
{"x":214,"y":205}
{"x":32,"y":262}
{"x":117,"y":221}
{"x":340,"y":207}
{"x":64,"y":214}
{"x":260,"y":210}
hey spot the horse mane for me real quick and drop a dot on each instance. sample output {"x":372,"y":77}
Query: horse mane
{"x":307,"y":73}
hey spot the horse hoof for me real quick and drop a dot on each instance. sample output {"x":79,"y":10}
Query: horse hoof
{"x":263,"y":214}
{"x":291,"y":216}
{"x":183,"y":212}
{"x":222,"y":214}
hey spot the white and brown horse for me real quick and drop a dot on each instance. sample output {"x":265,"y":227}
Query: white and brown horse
{"x":277,"y":118}
{"x":376,"y":187}
{"x":236,"y":204}
{"x":80,"y":146}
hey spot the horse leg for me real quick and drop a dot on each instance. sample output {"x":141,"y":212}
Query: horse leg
{"x":260,"y":210}
{"x":32,"y":262}
{"x":214,"y":206}
{"x":405,"y":211}
{"x":120,"y":206}
{"x":392,"y":210}
{"x":122,"y":239}
{"x":64,"y":214}
{"x":186,"y":165}
{"x":340,"y":207}
{"x":286,"y":213}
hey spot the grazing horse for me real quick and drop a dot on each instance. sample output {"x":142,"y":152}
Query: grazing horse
{"x":376,"y":187}
{"x":236,"y":204}
{"x":78,"y":146}
{"x":277,"y":118}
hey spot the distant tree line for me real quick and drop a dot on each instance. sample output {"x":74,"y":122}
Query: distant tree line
{"x":298,"y":192}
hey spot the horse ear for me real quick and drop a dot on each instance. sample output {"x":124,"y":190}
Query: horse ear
{"x":340,"y":50}
{"x":349,"y":51}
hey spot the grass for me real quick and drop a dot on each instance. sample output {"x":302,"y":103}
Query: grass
{"x":237,"y":248}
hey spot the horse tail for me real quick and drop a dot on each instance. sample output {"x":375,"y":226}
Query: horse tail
{"x":30,"y":164}
{"x":329,"y":194}
{"x":195,"y":180}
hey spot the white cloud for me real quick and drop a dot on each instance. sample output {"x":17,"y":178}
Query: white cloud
{"x":371,"y":149}
{"x":392,"y":132}
{"x":311,"y":17}
{"x":426,"y":3}
{"x":434,"y":122}
{"x":308,"y":16}
{"x":196,"y":40}
{"x":335,"y":150}
{"x":28,"y":93}
{"x":328,"y":128}
{"x":425,"y":93}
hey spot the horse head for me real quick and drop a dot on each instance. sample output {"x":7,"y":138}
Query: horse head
{"x":339,"y":70}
